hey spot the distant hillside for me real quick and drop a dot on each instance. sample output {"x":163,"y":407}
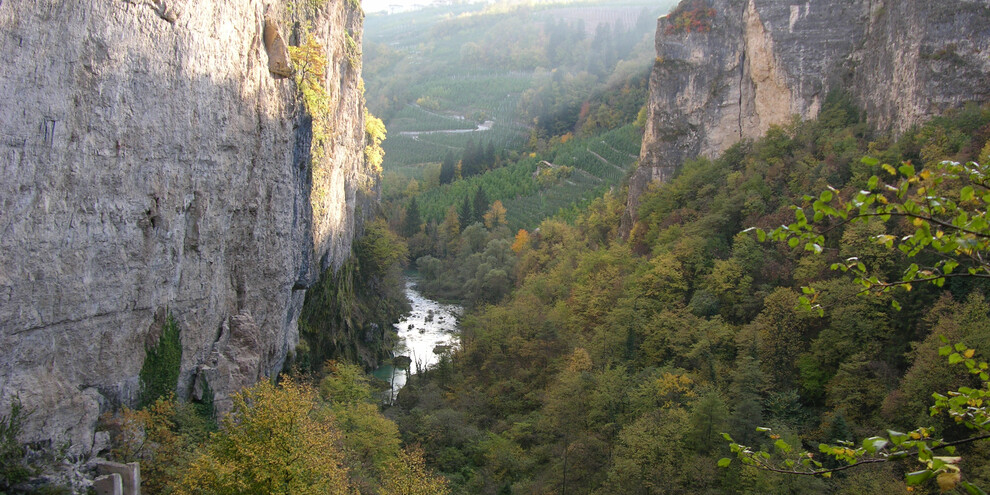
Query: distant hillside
{"x":520,"y":80}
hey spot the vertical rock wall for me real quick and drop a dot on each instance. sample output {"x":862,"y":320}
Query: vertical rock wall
{"x":150,"y":162}
{"x":764,"y":62}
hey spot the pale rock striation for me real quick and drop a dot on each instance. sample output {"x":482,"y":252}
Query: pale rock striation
{"x":151,"y":162}
{"x":765,"y":62}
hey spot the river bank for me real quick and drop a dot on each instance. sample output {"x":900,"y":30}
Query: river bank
{"x":428,"y":328}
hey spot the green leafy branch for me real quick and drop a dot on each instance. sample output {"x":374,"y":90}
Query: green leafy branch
{"x":943,"y":210}
{"x":945,"y":205}
{"x":966,"y":406}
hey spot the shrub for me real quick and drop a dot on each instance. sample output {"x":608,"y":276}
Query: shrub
{"x":12,"y":467}
{"x":160,"y":372}
{"x":694,"y":17}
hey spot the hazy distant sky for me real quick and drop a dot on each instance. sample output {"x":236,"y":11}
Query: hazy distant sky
{"x":380,"y":5}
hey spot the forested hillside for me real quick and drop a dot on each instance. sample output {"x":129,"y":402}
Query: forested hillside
{"x":615,"y":366}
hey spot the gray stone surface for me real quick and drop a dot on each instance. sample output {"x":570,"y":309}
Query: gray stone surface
{"x":766,"y":61}
{"x":108,"y":484}
{"x":150,"y":160}
{"x":130,"y":475}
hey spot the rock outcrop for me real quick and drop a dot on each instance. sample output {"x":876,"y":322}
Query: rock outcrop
{"x":729,"y":69}
{"x":150,"y":161}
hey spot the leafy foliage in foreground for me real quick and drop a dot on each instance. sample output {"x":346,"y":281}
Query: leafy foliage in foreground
{"x":946,"y":205}
{"x":613,"y":367}
{"x":295,"y":437}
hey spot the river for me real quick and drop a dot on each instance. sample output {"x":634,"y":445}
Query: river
{"x":426,"y":327}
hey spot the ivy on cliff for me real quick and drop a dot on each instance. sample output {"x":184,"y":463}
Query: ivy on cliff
{"x":348,"y":313}
{"x":159,"y":374}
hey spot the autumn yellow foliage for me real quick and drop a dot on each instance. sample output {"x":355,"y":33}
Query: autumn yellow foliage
{"x":310,"y":62}
{"x":374,"y":134}
{"x":521,"y":242}
{"x":276,"y":440}
{"x":151,"y":437}
{"x":495,"y":215}
{"x":407,"y":474}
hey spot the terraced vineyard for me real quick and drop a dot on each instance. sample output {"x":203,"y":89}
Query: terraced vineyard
{"x":526,"y":212}
{"x":420,"y":136}
{"x":414,"y":118}
{"x":417,"y":135}
{"x":599,"y":162}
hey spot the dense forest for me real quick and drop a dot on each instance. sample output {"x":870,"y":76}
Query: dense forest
{"x":614,"y":365}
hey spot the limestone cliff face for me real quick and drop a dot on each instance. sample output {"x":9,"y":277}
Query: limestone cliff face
{"x":151,"y":161}
{"x":756,"y":63}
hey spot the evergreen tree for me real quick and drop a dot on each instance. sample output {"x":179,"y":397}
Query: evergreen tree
{"x":490,"y":155}
{"x":464,"y":214}
{"x":469,"y":161}
{"x":447,"y":168}
{"x":413,"y":221}
{"x":745,"y":391}
{"x":708,"y":418}
{"x":480,"y":204}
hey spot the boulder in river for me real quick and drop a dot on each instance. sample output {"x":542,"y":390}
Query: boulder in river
{"x":401,"y":362}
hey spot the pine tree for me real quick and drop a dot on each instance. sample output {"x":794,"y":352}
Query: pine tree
{"x":490,"y":155}
{"x":480,"y":204}
{"x":411,"y":225}
{"x":464,"y":215}
{"x":469,"y":161}
{"x":447,"y":168}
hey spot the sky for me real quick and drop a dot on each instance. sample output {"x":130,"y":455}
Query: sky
{"x":379,"y":5}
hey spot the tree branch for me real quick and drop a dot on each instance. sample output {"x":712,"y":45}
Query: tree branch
{"x":874,"y":460}
{"x":821,"y":472}
{"x":933,"y":220}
